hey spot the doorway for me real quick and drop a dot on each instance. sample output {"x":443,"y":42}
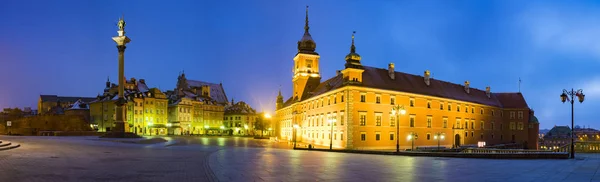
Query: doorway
{"x":457,"y":140}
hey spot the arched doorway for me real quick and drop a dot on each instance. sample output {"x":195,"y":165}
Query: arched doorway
{"x":457,"y":140}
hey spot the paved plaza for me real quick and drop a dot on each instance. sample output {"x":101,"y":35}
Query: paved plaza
{"x":246,"y":159}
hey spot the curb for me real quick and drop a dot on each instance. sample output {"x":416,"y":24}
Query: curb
{"x":210,"y":174}
{"x":10,"y":147}
{"x":453,"y":155}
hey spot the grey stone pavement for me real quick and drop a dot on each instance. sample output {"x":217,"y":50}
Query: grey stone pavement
{"x":246,"y":159}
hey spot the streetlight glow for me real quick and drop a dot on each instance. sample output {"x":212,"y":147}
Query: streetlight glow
{"x":267,"y":115}
{"x":296,"y":126}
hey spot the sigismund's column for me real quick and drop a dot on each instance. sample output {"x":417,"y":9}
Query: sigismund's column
{"x":120,"y":125}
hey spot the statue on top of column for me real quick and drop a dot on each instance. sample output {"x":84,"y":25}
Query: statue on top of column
{"x":121,"y":24}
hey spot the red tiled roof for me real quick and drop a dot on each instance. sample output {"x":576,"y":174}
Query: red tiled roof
{"x":512,"y":100}
{"x":404,"y":82}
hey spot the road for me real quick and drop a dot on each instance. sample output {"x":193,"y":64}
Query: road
{"x":246,"y":159}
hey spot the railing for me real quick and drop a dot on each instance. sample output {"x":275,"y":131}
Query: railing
{"x":506,"y":151}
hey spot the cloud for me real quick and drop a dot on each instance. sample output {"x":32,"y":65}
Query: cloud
{"x":571,"y":30}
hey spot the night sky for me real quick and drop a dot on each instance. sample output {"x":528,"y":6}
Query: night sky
{"x":65,"y":47}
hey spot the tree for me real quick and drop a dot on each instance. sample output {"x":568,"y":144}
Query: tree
{"x":260,"y":124}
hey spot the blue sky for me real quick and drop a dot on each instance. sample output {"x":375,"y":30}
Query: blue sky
{"x":65,"y":47}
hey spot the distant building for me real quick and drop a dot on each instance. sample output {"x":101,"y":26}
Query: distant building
{"x":196,"y":107}
{"x":353,"y":109}
{"x":560,"y":136}
{"x":48,"y":102}
{"x":146,"y":112}
{"x":239,"y":118}
{"x":79,"y":108}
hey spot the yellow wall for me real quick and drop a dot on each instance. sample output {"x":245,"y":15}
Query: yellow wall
{"x":310,"y":111}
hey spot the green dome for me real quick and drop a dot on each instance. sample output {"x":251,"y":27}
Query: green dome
{"x":534,"y":119}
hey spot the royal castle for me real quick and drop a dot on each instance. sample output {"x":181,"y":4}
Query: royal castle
{"x":354,"y":109}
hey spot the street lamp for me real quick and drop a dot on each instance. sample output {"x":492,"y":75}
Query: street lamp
{"x":565,"y":97}
{"x":397,"y":111}
{"x":412,"y":137}
{"x":294,"y":132}
{"x":246,"y":128}
{"x":150,"y":126}
{"x":331,"y":121}
{"x":222,"y":128}
{"x":438,"y":136}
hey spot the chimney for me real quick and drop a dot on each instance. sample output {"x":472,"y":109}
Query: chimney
{"x":338,"y":72}
{"x":487,"y":91}
{"x":391,"y":71}
{"x":467,"y":83}
{"x":426,"y":76}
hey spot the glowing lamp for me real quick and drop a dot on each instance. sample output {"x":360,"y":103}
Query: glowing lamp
{"x":206,"y":126}
{"x":563,"y":97}
{"x":296,"y":126}
{"x":581,"y":97}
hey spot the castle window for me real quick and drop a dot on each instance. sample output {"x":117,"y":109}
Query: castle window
{"x":458,"y":108}
{"x":334,"y":99}
{"x":377,"y":119}
{"x":445,"y":122}
{"x":512,"y":114}
{"x":481,"y":110}
{"x":412,"y":121}
{"x":441,"y":106}
{"x":363,"y":136}
{"x":392,"y":100}
{"x":428,"y":104}
{"x":493,"y":113}
{"x":429,"y":121}
{"x":520,"y":114}
{"x":363,"y":118}
{"x":467,"y":109}
{"x":363,"y":97}
{"x":377,"y":136}
{"x":342,"y":99}
{"x":377,"y":98}
{"x":481,"y":125}
{"x":428,"y":136}
{"x":449,"y":107}
{"x":392,"y":120}
{"x":412,"y":102}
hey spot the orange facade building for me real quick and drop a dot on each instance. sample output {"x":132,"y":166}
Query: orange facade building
{"x":358,"y":102}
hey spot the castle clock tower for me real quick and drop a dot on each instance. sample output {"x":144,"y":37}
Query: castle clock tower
{"x":306,"y":65}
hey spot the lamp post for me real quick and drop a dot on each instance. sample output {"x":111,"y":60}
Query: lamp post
{"x":565,"y":97}
{"x":438,"y":136}
{"x":412,"y":137}
{"x":294,"y":132}
{"x":331,"y":121}
{"x":150,"y":127}
{"x":397,"y":111}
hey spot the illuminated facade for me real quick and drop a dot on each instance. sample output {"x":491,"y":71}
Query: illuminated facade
{"x":353,"y":110}
{"x":146,"y":108}
{"x":196,"y":107}
{"x":239,"y":118}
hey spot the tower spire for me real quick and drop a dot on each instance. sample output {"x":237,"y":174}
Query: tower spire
{"x":353,"y":48}
{"x":306,"y":21}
